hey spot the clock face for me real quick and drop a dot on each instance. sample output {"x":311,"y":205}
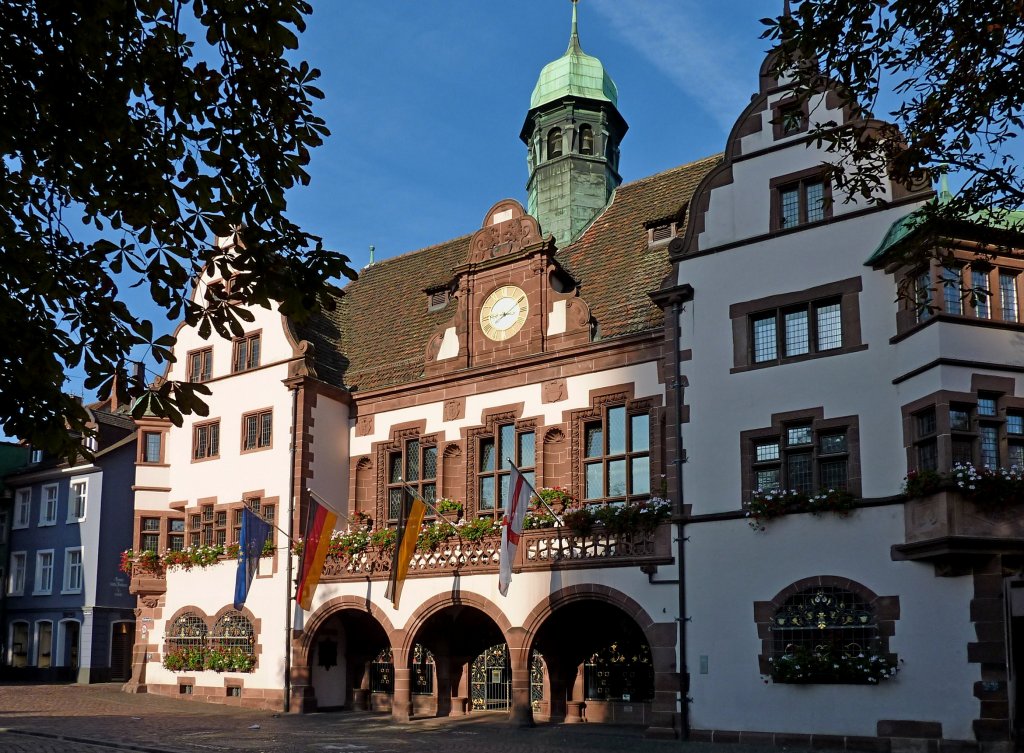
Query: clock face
{"x":504,"y":312}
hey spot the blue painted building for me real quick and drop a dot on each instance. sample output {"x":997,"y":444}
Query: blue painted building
{"x":68,"y":611}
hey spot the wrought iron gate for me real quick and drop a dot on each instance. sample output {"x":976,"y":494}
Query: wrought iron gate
{"x":536,"y":680}
{"x":491,"y":680}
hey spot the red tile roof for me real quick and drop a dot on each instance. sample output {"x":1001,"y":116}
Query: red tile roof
{"x":378,"y":335}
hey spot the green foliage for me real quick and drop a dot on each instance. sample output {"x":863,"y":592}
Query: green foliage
{"x":990,"y":487}
{"x":158,"y":124}
{"x":477,"y":529}
{"x":348,"y":543}
{"x":765,"y":505}
{"x":192,"y":658}
{"x":831,"y":665}
{"x":955,"y":71}
{"x":217,"y":659}
{"x":449,"y":505}
{"x":579,"y":519}
{"x":634,"y":517}
{"x":384,"y":538}
{"x":922,"y":483}
{"x":432,"y":536}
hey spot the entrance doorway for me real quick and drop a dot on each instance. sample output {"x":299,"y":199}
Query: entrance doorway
{"x":491,"y":680}
{"x":121,"y":644}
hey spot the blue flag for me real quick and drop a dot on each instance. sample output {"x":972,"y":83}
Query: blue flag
{"x":255,"y":532}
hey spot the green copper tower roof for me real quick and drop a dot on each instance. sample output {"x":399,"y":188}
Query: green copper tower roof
{"x":575,"y":74}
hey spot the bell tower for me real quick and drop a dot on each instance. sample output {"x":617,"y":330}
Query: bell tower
{"x":572,"y":134}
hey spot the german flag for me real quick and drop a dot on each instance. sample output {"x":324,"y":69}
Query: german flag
{"x":319,"y":526}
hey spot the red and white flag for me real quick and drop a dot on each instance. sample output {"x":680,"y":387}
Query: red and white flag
{"x":519,"y":495}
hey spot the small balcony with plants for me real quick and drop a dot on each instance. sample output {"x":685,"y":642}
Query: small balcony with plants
{"x":563,"y":533}
{"x":969,"y":511}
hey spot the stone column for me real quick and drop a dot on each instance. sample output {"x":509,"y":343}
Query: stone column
{"x":401,"y":700}
{"x":521,"y":712}
{"x":574,"y":708}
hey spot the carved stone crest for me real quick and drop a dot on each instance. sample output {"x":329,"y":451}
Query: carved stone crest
{"x":454,"y":409}
{"x":553,"y":391}
{"x":364,"y":426}
{"x":507,"y":229}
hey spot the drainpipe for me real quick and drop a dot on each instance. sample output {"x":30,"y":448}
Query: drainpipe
{"x":288,"y":558}
{"x":680,"y":458}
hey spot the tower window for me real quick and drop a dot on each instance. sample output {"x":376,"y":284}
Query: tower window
{"x":586,"y":139}
{"x":554,"y":143}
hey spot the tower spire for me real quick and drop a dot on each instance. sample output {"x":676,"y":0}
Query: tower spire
{"x":574,"y":37}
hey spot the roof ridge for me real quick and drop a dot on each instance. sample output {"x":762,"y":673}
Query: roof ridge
{"x":419,"y":250}
{"x":665,"y":172}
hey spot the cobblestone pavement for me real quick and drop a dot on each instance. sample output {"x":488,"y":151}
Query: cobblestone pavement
{"x":101,"y":719}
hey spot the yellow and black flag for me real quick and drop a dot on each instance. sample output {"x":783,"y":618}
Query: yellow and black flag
{"x":409,"y":521}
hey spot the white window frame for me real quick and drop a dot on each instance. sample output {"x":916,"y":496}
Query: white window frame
{"x":66,"y":584}
{"x":10,"y":640}
{"x":44,"y":520}
{"x":72,"y":517}
{"x":38,"y":589}
{"x":22,"y":509}
{"x":14,"y":588}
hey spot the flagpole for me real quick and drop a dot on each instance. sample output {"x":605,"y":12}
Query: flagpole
{"x":412,"y":490}
{"x":536,"y":494}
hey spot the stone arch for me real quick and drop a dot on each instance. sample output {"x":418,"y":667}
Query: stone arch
{"x":584,"y":591}
{"x":305,"y":683}
{"x":661,"y":639}
{"x":442,"y":601}
{"x":327,"y":610}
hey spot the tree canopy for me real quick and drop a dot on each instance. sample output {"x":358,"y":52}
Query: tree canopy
{"x":134,"y":132}
{"x":954,"y":69}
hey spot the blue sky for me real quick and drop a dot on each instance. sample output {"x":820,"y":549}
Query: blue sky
{"x":425,"y":101}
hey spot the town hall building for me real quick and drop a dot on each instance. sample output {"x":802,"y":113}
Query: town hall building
{"x":708,"y":374}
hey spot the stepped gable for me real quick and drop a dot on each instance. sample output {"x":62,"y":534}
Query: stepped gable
{"x":611,"y":260}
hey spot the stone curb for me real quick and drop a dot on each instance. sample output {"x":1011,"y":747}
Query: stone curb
{"x":87,"y":741}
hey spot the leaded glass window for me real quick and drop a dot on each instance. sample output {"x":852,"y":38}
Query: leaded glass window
{"x":1008,"y":296}
{"x":616,"y":465}
{"x":952,"y":282}
{"x":801,"y":202}
{"x":981,"y":294}
{"x":923,"y":295}
{"x":801,"y":459}
{"x":809,"y":328}
{"x":412,"y":467}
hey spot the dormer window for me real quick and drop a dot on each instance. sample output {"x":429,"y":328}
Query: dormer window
{"x":661,"y":233}
{"x":554,"y":143}
{"x":437,"y":299}
{"x":586,"y":139}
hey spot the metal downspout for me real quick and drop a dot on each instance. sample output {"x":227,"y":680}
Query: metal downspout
{"x":680,"y":458}
{"x":288,"y":559}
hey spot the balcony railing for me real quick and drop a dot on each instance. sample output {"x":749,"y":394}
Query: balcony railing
{"x":539,"y":549}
